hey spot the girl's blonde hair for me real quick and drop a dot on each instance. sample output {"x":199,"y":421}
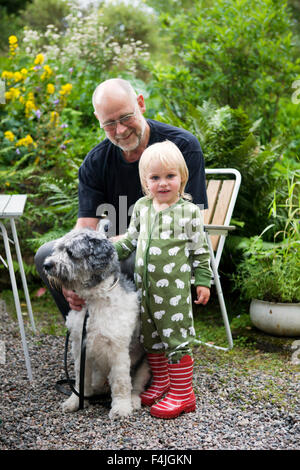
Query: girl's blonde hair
{"x":169,"y":155}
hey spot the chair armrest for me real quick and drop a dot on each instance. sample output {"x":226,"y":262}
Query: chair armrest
{"x":218,"y":229}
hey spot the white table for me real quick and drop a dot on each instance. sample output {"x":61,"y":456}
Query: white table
{"x":11,"y":207}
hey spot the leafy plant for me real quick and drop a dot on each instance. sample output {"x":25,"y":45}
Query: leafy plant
{"x":271,"y":271}
{"x":240,"y":54}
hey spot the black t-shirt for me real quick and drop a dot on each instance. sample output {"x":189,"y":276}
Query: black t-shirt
{"x":108,"y":182}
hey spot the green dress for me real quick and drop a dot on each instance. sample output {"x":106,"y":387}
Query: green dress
{"x":170,"y":247}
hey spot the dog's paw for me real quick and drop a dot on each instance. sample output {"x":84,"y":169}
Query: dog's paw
{"x":120,"y":409}
{"x":71,"y":404}
{"x":136,"y":402}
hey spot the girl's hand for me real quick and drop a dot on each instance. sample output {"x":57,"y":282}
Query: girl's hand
{"x":203,"y":295}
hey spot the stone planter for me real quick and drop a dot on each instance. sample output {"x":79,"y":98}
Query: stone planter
{"x":279,"y":319}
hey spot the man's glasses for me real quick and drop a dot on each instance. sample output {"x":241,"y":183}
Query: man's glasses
{"x":125,"y":120}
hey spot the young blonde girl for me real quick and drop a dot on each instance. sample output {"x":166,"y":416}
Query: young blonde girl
{"x":166,"y":230}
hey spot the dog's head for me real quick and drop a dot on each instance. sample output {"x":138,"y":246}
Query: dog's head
{"x":81,"y":259}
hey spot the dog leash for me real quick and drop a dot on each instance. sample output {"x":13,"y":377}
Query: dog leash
{"x":69,"y":381}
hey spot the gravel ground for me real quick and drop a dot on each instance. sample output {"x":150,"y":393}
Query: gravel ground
{"x":31,"y":417}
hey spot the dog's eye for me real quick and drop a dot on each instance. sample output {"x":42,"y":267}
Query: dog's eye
{"x":69,"y":252}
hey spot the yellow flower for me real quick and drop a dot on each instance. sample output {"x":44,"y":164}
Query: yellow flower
{"x":12,"y":94}
{"x":18,"y":76}
{"x":13,"y":44}
{"x":12,"y":39}
{"x":39,"y":60}
{"x":50,"y":88}
{"x":9,"y":136}
{"x":7,"y":75}
{"x":54,"y":117}
{"x":65,"y":89}
{"x":29,"y":107}
{"x":7,"y":183}
{"x":48,"y":72}
{"x":26,"y":141}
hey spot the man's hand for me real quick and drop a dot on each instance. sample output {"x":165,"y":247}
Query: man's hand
{"x":75,"y":302}
{"x":203,"y":295}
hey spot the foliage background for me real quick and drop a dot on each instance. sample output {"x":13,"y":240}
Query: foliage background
{"x":223,"y":69}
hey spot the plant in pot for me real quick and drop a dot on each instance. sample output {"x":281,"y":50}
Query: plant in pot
{"x":269,"y":274}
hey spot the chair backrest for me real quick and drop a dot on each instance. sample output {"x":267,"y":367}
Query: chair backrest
{"x":222,"y":194}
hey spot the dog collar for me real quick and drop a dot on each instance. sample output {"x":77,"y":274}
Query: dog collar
{"x":116,"y":282}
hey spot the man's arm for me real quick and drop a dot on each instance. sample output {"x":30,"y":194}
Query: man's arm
{"x":90,"y":222}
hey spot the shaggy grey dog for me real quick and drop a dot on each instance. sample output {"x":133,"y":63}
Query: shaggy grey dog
{"x":86,"y":261}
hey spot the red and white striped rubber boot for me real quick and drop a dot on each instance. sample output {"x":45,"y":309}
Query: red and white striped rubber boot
{"x":181,"y":397}
{"x":160,"y":382}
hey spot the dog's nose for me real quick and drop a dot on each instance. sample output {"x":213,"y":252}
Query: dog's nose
{"x":48,"y":265}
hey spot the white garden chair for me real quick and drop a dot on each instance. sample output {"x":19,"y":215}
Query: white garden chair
{"x":222,"y":195}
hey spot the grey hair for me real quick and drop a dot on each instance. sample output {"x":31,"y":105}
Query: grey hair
{"x":118,"y":82}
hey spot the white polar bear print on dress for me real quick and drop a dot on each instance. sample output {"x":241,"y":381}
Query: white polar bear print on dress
{"x":158,"y":299}
{"x":190,"y":315}
{"x":162,"y":283}
{"x":183,"y":331}
{"x":183,"y":221}
{"x":165,"y":235}
{"x":154,"y":250}
{"x":185,"y":268}
{"x":179,"y":283}
{"x":173,"y":251}
{"x":175,"y":300}
{"x":200,"y":251}
{"x":140,"y":262}
{"x":182,"y":236}
{"x":167,"y":219}
{"x":158,"y":346}
{"x":167,"y":332}
{"x":192,"y":331}
{"x":168,"y":268}
{"x":196,"y":222}
{"x":151,"y":268}
{"x":177,"y":317}
{"x":159,"y":314}
{"x":155,"y":334}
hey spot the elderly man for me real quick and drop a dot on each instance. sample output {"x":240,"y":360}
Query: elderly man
{"x":108,"y":176}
